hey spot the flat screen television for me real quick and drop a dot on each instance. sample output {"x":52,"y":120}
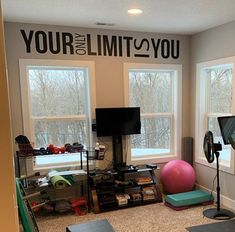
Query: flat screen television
{"x":118,"y":121}
{"x":227,"y":128}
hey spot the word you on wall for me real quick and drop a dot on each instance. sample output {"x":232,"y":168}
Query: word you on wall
{"x":99,"y":45}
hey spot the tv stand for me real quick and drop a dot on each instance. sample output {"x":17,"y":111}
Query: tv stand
{"x":126,"y":169}
{"x":112,"y":190}
{"x":117,"y":151}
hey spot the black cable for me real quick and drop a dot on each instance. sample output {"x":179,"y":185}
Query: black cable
{"x":212,"y":189}
{"x":213,"y":186}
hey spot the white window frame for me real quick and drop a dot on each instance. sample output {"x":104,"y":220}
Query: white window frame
{"x":176,"y":114}
{"x":25,"y":93}
{"x":202,"y":114}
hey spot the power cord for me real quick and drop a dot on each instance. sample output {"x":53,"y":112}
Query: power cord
{"x":213,"y":186}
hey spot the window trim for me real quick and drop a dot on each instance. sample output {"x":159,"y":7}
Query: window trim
{"x":177,"y":111}
{"x":202,"y":114}
{"x":25,"y":100}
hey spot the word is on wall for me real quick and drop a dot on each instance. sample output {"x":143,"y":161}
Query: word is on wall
{"x":99,"y":45}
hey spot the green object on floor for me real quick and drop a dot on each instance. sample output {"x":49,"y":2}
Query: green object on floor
{"x":188,"y":198}
{"x":25,"y":212}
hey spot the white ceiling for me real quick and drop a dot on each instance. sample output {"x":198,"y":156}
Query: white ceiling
{"x":163,"y":16}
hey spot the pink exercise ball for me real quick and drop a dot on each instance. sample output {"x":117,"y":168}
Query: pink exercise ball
{"x":177,"y":176}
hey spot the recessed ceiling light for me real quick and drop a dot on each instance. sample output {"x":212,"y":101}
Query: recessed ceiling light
{"x":134,"y":11}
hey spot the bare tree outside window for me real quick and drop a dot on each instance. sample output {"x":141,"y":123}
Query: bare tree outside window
{"x":219,"y":101}
{"x":58,"y":98}
{"x":152,"y":92}
{"x":219,"y":96}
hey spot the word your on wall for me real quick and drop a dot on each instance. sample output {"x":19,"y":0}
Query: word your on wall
{"x":99,"y":45}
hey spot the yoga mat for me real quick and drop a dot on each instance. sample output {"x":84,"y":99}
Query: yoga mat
{"x":70,"y":179}
{"x":225,"y":226}
{"x":63,"y":173}
{"x":59,"y":182}
{"x":25,"y":211}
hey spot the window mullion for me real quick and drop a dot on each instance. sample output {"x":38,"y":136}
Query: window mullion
{"x":60,"y":117}
{"x":155,"y":115}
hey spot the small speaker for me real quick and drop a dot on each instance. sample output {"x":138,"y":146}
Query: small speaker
{"x":93,"y":125}
{"x":188,"y":150}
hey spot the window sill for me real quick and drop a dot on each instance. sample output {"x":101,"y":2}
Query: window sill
{"x":152,"y":159}
{"x":223,"y":165}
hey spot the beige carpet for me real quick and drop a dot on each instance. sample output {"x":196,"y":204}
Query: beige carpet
{"x":148,"y":218}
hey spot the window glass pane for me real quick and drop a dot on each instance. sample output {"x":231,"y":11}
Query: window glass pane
{"x":57,"y":109}
{"x":220,"y":94}
{"x":220,"y":101}
{"x":213,"y":126}
{"x":215,"y":98}
{"x":60,"y":132}
{"x":151,"y":90}
{"x":155,"y":137}
{"x":57,"y":92}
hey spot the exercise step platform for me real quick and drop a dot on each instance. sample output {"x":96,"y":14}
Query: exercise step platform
{"x":180,"y":201}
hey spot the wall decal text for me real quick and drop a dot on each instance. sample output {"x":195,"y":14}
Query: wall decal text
{"x":99,"y":45}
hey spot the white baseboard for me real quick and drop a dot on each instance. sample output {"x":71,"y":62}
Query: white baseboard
{"x":225,"y":201}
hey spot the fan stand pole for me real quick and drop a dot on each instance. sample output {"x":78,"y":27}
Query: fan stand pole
{"x":218,"y":213}
{"x":218,"y":182}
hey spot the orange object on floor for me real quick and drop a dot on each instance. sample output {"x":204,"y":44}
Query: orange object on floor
{"x":79,"y":206}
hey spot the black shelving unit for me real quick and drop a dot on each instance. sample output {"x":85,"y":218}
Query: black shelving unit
{"x":104,"y":195}
{"x":90,"y":154}
{"x":83,"y":153}
{"x":24,"y":157}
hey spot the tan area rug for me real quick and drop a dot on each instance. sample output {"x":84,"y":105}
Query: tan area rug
{"x":148,"y":218}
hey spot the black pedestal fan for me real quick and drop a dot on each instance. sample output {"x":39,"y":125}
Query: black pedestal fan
{"x":211,"y":150}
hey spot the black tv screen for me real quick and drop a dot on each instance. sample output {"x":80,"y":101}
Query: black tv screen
{"x":117,"y":121}
{"x":227,"y":128}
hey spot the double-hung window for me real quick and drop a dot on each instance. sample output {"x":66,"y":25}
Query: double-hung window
{"x":57,"y":103}
{"x":156,"y":89}
{"x":214,"y":96}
